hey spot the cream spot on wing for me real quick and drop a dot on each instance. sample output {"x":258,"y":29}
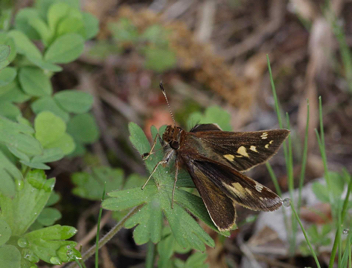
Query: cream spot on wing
{"x":264,"y":135}
{"x":266,"y":146}
{"x":242,"y":151}
{"x":253,"y":148}
{"x":235,"y":188}
{"x":259,"y":187}
{"x":229,"y":157}
{"x":248,"y":191}
{"x":271,"y":142}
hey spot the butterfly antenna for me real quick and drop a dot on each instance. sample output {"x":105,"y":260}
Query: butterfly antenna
{"x":167,"y":101}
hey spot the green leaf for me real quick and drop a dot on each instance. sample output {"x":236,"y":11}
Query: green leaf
{"x":8,"y":173}
{"x":91,"y":25}
{"x":91,"y":185}
{"x":44,"y":64}
{"x":35,"y":165}
{"x":149,"y":222}
{"x":74,"y":101}
{"x":48,"y":128}
{"x":4,"y":54}
{"x":34,"y":82}
{"x":196,"y":260}
{"x":321,"y":192}
{"x":56,"y":13}
{"x":21,"y":211}
{"x":6,"y":40}
{"x":24,"y":45}
{"x":65,"y":143}
{"x":9,"y":110}
{"x":7,"y":75}
{"x":5,"y":232}
{"x":48,"y":104}
{"x":49,"y":216}
{"x":124,"y":31}
{"x":213,"y":114}
{"x":155,"y":34}
{"x":337,"y":184}
{"x":83,"y":128}
{"x":18,"y":153}
{"x":54,"y":198}
{"x":71,"y":25}
{"x":42,"y":28}
{"x":49,"y":155}
{"x":65,"y":49}
{"x":159,"y":59}
{"x":10,"y":256}
{"x":13,"y":93}
{"x":23,"y":22}
{"x":49,"y":243}
{"x":17,"y":135}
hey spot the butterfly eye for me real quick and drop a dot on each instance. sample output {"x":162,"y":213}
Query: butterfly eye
{"x":175,"y":145}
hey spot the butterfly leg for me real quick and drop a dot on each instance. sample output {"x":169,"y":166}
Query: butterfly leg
{"x":154,"y":169}
{"x":173,"y":189}
{"x":146,"y":155}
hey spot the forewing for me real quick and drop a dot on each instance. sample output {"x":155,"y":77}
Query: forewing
{"x":220,"y":207}
{"x":242,"y":150}
{"x":205,"y":127}
{"x":240,"y":188}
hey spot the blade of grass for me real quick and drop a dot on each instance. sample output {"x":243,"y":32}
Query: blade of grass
{"x":109,"y":235}
{"x":98,"y":230}
{"x":305,"y":235}
{"x":343,"y":216}
{"x":304,"y":162}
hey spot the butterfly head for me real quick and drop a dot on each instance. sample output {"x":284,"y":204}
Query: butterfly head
{"x":172,"y":136}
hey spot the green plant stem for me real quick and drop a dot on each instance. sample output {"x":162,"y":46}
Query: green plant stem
{"x":150,"y":258}
{"x":305,"y":235}
{"x":338,"y":231}
{"x":108,"y":236}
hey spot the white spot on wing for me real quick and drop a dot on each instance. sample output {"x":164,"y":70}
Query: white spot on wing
{"x":229,"y":157}
{"x":253,"y":148}
{"x":264,"y":136}
{"x":259,"y":187}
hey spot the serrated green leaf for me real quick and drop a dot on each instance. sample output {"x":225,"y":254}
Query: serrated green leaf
{"x":49,"y":216}
{"x":46,"y":243}
{"x":10,"y":256}
{"x":65,"y":49}
{"x":34,"y":82}
{"x":74,"y":101}
{"x":22,"y":210}
{"x":91,"y":25}
{"x":22,"y":22}
{"x":7,"y":75}
{"x":129,"y":198}
{"x":5,"y":232}
{"x":9,"y":110}
{"x":47,"y":103}
{"x":17,"y":135}
{"x":213,"y":114}
{"x":159,"y":59}
{"x":48,"y":128}
{"x":83,"y":128}
{"x":91,"y":185}
{"x":149,"y":221}
{"x":24,"y":45}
